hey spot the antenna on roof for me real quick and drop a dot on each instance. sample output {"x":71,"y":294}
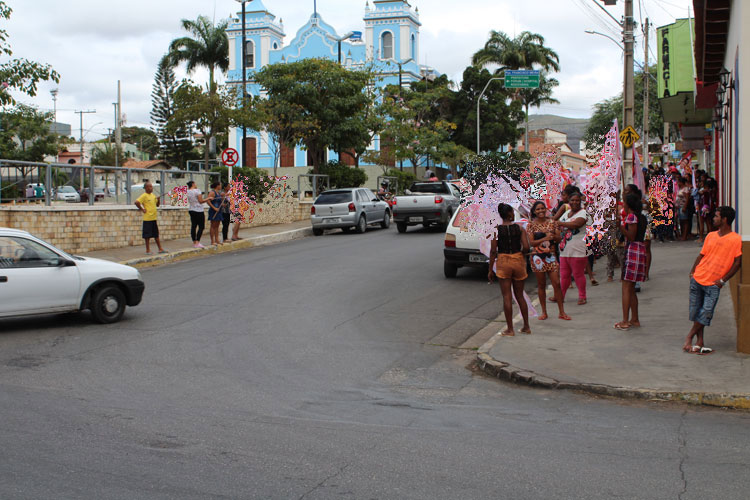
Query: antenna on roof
{"x":315,"y":8}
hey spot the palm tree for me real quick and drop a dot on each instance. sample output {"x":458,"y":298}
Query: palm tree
{"x":525,"y":51}
{"x":208,"y":47}
{"x":522,"y":52}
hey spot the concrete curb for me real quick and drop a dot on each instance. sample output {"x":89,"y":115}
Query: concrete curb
{"x":510,"y":373}
{"x":193,"y":253}
{"x":506,"y":371}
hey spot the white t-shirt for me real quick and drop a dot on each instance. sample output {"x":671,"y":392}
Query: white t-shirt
{"x":573,"y":244}
{"x":193,"y":204}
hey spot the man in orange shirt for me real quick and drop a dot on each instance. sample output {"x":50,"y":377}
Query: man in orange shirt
{"x":718,"y":261}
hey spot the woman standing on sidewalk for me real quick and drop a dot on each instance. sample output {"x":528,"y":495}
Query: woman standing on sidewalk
{"x":508,"y":246}
{"x":634,"y":267}
{"x":573,"y":249}
{"x":225,"y":214}
{"x":214,"y":212}
{"x":543,"y":235}
{"x":197,"y":216}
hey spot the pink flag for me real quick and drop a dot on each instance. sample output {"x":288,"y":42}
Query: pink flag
{"x":638,"y":172}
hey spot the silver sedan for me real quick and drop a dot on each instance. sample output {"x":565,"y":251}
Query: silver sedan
{"x":348,"y":208}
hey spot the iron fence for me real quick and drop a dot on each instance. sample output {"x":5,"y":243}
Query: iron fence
{"x":59,"y":183}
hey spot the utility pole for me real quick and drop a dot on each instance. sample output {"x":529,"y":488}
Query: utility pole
{"x":646,"y":78}
{"x":80,"y":115}
{"x":244,"y":85}
{"x":629,"y":87}
{"x":118,"y":126}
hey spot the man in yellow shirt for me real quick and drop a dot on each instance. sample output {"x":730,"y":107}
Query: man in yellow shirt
{"x":147,"y":203}
{"x":719,"y":260}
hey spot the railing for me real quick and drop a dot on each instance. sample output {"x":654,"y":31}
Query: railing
{"x":112,"y":185}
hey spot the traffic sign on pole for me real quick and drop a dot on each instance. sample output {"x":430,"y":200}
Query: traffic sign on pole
{"x":230,"y":157}
{"x":629,"y":136}
{"x":522,"y":78}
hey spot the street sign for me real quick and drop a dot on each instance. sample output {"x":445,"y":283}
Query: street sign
{"x":629,"y":136}
{"x":676,"y":154}
{"x":229,"y":157}
{"x":665,"y":148}
{"x":521,"y":78}
{"x":672,"y":146}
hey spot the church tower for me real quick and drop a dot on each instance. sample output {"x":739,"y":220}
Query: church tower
{"x":392,"y":31}
{"x":262,"y":35}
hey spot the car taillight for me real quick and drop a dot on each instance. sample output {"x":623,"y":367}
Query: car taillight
{"x":351,"y":207}
{"x":450,"y":241}
{"x":312,"y":210}
{"x":393,"y":201}
{"x":438,"y":200}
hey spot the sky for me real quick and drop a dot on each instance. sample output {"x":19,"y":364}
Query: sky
{"x":93,"y":44}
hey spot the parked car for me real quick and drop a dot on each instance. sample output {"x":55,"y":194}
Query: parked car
{"x":38,"y":278}
{"x":67,"y":193}
{"x":98,"y":194}
{"x":349,"y":208}
{"x":426,"y":203}
{"x":463,"y":244}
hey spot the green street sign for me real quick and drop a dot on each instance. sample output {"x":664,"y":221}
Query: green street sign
{"x":521,"y":78}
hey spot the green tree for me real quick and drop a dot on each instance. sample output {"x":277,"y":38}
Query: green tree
{"x":607,"y":110}
{"x":146,"y":140}
{"x":104,"y":154}
{"x":525,"y":51}
{"x":341,"y":175}
{"x":175,"y":147}
{"x":25,"y":135}
{"x":207,"y":48}
{"x":499,"y":117}
{"x":209,"y":113}
{"x":253,"y":178}
{"x":19,"y":74}
{"x":315,"y":102}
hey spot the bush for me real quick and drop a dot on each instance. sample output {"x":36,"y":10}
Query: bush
{"x":9,"y":190}
{"x":341,"y":175}
{"x":257,"y":183}
{"x":405,"y":179}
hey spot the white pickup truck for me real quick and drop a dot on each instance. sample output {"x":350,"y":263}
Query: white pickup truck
{"x":426,"y":203}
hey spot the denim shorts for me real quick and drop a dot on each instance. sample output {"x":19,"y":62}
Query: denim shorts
{"x":703,"y":300}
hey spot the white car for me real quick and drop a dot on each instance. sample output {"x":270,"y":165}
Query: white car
{"x":37,"y":278}
{"x":67,"y":193}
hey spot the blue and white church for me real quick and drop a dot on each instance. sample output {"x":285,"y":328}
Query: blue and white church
{"x":390,"y":44}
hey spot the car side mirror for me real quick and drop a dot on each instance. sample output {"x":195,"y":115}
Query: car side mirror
{"x":62,"y":262}
{"x":376,"y":199}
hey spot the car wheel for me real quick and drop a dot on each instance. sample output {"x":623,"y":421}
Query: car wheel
{"x":361,"y":225}
{"x":401,"y":226}
{"x":108,"y":304}
{"x":386,"y":220}
{"x":444,"y":226}
{"x":317,"y":231}
{"x":450,"y":270}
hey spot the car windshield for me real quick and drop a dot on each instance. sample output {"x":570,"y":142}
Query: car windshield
{"x":430,"y":187}
{"x":66,"y":189}
{"x":98,"y":190}
{"x":333,"y":197}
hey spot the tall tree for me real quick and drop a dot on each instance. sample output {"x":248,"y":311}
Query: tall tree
{"x":317,"y":102}
{"x":146,"y":140}
{"x":207,"y":112}
{"x":26,"y":135}
{"x":525,"y":51}
{"x":499,"y":117}
{"x":207,"y":47}
{"x":175,"y":146}
{"x":19,"y":74}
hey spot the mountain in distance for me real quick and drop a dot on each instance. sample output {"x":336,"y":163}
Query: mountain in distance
{"x":574,"y":128}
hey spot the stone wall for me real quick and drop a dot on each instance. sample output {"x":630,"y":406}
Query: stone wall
{"x":80,"y":229}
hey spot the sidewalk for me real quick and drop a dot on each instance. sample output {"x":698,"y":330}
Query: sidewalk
{"x":182,"y":249}
{"x":588,"y":354}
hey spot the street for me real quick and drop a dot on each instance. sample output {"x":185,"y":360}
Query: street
{"x":326,"y":368}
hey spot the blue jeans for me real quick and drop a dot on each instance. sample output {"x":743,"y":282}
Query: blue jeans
{"x":703,"y":300}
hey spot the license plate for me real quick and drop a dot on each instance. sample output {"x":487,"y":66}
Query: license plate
{"x":332,"y":220}
{"x":477,"y":258}
{"x":416,"y":219}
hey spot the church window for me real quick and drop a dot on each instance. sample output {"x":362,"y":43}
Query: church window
{"x":386,"y":45}
{"x":414,"y":47}
{"x":249,"y":54}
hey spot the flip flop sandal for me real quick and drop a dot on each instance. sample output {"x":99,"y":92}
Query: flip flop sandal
{"x":565,"y":317}
{"x":618,"y":326}
{"x":703,"y":351}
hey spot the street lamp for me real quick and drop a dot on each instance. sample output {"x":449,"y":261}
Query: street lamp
{"x":244,"y":81}
{"x":479,"y":100}
{"x":352,"y":34}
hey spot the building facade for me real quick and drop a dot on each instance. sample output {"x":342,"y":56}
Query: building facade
{"x":389,"y":43}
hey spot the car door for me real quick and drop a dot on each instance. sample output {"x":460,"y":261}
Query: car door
{"x":32,"y":279}
{"x":365,"y":200}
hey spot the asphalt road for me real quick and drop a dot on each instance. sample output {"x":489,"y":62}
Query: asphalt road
{"x":319,"y":369}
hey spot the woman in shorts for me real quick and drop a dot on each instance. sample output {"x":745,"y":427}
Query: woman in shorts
{"x":543,"y":234}
{"x":634,"y":268}
{"x":508,"y":246}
